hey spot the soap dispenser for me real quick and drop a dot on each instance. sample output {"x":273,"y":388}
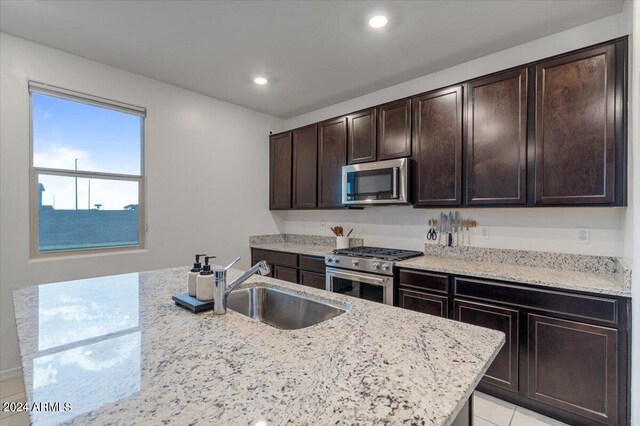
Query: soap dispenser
{"x":193,"y":273}
{"x":204,"y":282}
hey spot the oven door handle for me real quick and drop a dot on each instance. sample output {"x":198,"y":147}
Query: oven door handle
{"x":360,"y":278}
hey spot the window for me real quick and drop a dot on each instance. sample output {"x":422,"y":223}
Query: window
{"x":87,"y":173}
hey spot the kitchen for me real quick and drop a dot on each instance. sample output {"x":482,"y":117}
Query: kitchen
{"x":502,"y":250}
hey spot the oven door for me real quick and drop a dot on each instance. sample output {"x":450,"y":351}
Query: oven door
{"x":382,"y":182}
{"x":376,"y":288}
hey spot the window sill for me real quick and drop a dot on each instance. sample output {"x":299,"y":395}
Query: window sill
{"x":76,"y":255}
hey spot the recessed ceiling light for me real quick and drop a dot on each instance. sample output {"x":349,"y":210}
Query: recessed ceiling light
{"x":260,"y":80}
{"x":378,"y":21}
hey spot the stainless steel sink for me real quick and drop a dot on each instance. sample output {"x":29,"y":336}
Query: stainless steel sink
{"x":280,"y":309}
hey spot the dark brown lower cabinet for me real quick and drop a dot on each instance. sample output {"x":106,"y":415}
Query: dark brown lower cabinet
{"x":292,"y":267}
{"x":285,"y":274}
{"x":566,"y":353}
{"x":423,"y":302}
{"x":503,"y":372}
{"x":572,"y":366}
{"x":312,"y":279}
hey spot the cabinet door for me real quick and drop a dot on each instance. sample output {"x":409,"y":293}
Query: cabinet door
{"x":423,"y":302}
{"x":496,"y":139}
{"x":362,"y":137}
{"x":280,"y":172}
{"x":305,"y":167}
{"x":503,"y":372}
{"x":437,"y":139}
{"x":332,"y":155}
{"x":394,"y":130}
{"x":573,"y":366}
{"x":285,"y":274}
{"x":575,"y":128}
{"x":313,"y":279}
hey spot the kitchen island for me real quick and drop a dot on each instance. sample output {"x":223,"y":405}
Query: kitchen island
{"x":117,"y":350}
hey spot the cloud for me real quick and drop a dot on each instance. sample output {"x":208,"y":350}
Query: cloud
{"x":53,"y":155}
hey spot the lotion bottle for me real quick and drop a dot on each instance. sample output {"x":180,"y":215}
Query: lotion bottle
{"x":204,"y":282}
{"x":193,"y":274}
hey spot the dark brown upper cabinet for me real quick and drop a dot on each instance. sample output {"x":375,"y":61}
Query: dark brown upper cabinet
{"x":575,"y":146}
{"x":496,"y":139}
{"x":332,"y":155}
{"x":305,"y":167}
{"x":394,"y":130}
{"x":280,"y":171}
{"x":362,"y":137}
{"x":437,"y":141}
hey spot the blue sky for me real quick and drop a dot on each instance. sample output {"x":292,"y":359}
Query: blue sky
{"x":103,"y":140}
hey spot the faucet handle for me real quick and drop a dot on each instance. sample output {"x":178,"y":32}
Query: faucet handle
{"x":263,"y":267}
{"x":237,"y":259}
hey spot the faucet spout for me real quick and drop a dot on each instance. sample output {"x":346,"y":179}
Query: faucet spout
{"x":261,"y":268}
{"x":221,"y":290}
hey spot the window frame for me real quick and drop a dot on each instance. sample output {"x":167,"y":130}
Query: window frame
{"x":35,"y":172}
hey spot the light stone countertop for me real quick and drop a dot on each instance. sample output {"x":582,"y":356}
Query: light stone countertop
{"x":306,"y":249}
{"x":121,"y":352}
{"x":603,"y":283}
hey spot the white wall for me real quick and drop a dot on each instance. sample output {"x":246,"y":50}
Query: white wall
{"x":545,"y":229}
{"x":632,"y":248}
{"x":207,"y":163}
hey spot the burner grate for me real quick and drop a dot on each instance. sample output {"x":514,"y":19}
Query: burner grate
{"x":378,"y":253}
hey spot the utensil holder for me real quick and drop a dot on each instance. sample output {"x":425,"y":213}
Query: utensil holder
{"x":342,"y":242}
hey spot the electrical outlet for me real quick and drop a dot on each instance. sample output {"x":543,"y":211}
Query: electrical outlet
{"x":484,"y":232}
{"x":582,"y":235}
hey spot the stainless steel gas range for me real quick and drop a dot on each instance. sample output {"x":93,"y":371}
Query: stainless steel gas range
{"x":364,"y":272}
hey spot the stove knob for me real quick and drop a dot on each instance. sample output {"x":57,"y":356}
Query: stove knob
{"x":354,"y":262}
{"x":385,"y":267}
{"x":329,"y":260}
{"x":375,"y":265}
{"x":336,"y":260}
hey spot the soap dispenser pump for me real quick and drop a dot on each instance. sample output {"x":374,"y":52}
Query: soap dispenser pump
{"x":192,"y":275}
{"x":204,"y":282}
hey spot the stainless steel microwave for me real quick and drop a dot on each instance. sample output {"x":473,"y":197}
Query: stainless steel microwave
{"x":380,"y":182}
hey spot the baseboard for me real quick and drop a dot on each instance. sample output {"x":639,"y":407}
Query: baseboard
{"x":10,"y":374}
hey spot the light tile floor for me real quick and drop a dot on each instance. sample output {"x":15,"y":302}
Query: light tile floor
{"x":12,"y":390}
{"x":488,"y":411}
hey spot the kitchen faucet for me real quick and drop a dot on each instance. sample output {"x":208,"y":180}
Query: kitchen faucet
{"x":220,"y":288}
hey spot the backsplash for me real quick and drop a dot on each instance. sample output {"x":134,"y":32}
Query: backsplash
{"x":562,"y":261}
{"x":315,"y":240}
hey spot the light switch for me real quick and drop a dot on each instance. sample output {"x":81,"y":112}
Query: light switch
{"x":484,"y":232}
{"x":582,"y":235}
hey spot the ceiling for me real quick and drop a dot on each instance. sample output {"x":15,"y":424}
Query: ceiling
{"x":314,"y":53}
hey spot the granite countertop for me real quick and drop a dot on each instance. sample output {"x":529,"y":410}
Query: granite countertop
{"x":117,"y":348}
{"x":311,"y":245}
{"x":307,"y":249}
{"x":612,"y":283}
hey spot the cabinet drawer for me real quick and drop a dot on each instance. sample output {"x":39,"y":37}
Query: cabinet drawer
{"x":581,"y":306}
{"x":276,"y":257}
{"x":425,"y":280}
{"x":423,"y":302}
{"x":285,"y":274}
{"x":313,"y":279}
{"x":311,"y":263}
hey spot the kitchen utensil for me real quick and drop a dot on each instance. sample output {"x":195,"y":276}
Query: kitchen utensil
{"x":431,"y":234}
{"x":440,"y":228}
{"x":449,"y":229}
{"x":458,"y":225}
{"x":349,"y":234}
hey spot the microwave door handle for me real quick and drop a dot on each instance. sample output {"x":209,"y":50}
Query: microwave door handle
{"x":394,"y":183}
{"x":357,"y":277}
